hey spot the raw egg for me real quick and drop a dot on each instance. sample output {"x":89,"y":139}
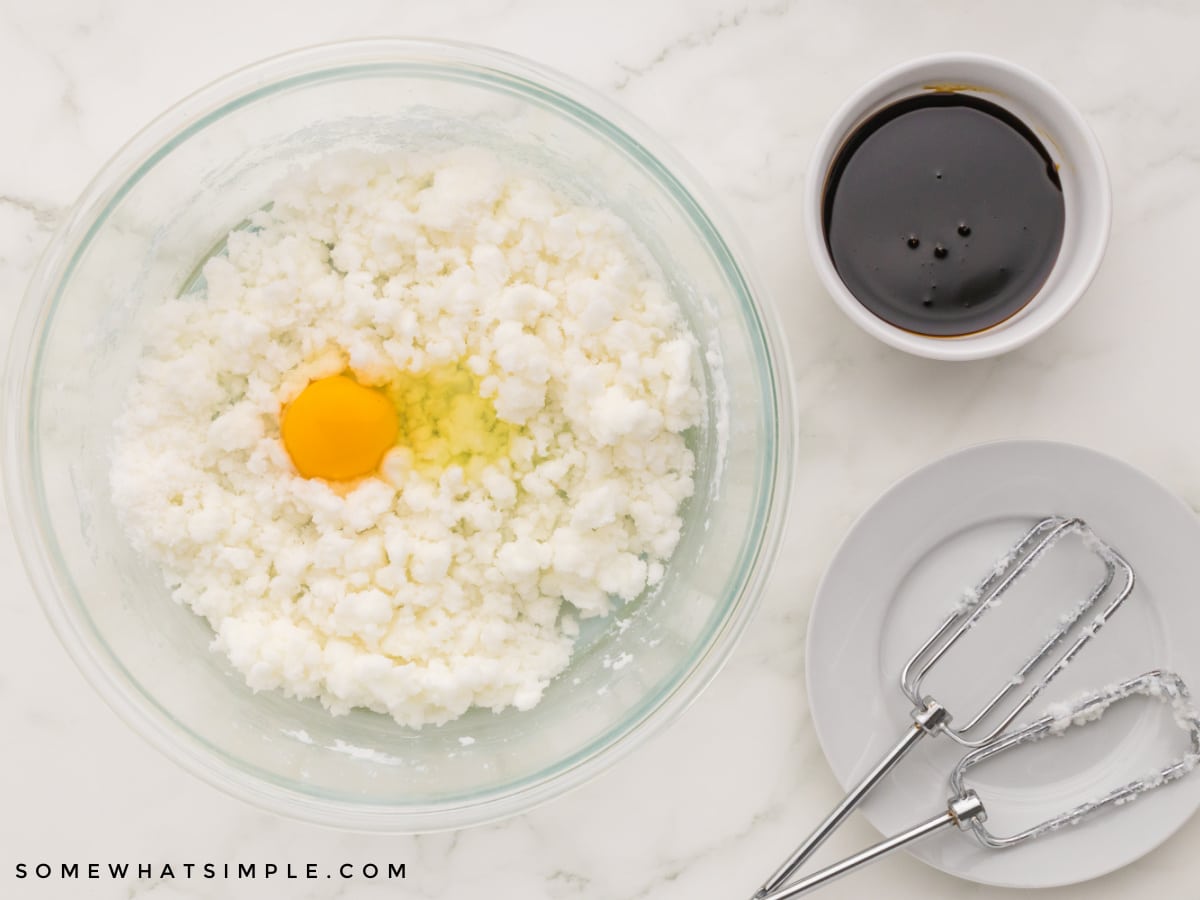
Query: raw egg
{"x":338,"y":429}
{"x":444,"y":420}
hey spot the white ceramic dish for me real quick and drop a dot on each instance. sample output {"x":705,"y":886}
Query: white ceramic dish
{"x":902,"y":567}
{"x":1070,"y":143}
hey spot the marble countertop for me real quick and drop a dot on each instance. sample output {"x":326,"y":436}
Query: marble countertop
{"x":705,"y":810}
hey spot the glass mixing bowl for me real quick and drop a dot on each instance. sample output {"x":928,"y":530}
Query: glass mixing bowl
{"x":137,"y":235}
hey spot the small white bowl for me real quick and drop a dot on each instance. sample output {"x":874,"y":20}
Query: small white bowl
{"x":1068,"y":139}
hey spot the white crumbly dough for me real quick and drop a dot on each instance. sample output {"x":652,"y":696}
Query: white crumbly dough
{"x":414,"y":594}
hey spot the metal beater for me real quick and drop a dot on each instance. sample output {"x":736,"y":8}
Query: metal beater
{"x":966,"y":811}
{"x":930,"y":717}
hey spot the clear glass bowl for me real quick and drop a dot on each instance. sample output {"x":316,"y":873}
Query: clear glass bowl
{"x":137,"y":235}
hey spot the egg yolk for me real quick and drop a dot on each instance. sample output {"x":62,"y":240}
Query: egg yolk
{"x":338,"y":429}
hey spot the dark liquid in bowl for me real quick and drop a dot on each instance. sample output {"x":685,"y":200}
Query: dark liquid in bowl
{"x":943,"y":214}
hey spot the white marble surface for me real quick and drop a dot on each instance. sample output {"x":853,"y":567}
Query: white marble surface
{"x":741,"y":89}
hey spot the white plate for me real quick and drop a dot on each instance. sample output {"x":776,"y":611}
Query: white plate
{"x":899,"y":572}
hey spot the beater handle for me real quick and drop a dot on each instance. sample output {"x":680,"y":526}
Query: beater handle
{"x":960,"y":812}
{"x":925,"y":720}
